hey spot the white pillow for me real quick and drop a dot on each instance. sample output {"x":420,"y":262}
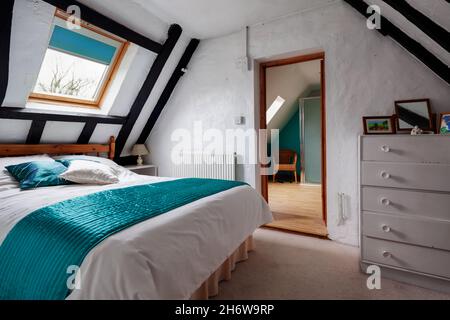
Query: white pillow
{"x":104,"y":161}
{"x":7,"y":182}
{"x":122,"y":173}
{"x":89,"y":172}
{"x":9,"y":161}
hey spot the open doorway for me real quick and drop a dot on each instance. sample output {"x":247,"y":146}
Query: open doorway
{"x":293,"y":101}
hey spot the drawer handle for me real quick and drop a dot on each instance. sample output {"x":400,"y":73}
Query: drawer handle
{"x":385,"y":149}
{"x":386,"y":228}
{"x":387,"y":254}
{"x":385,"y":175}
{"x":385,"y":202}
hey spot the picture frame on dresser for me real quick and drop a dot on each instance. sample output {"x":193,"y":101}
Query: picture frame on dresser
{"x":444,"y":124}
{"x":379,"y":125}
{"x":413,"y":113}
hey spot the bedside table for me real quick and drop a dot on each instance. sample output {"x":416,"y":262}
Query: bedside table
{"x":145,"y":169}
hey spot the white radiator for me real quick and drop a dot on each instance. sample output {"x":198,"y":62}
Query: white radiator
{"x":200,"y":165}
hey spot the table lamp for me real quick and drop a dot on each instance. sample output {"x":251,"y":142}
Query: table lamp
{"x":139,"y":150}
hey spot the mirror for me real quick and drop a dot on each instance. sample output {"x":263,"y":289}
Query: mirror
{"x":411,"y":113}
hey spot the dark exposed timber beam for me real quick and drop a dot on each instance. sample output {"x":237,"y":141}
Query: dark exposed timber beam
{"x":87,"y":132}
{"x":428,"y":26}
{"x":414,"y":47}
{"x":6,"y":14}
{"x":168,"y":90}
{"x":35,"y":133}
{"x":101,"y":21}
{"x":26,"y":114}
{"x":147,"y":88}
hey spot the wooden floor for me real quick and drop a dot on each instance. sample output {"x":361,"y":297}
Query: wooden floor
{"x":297,"y":207}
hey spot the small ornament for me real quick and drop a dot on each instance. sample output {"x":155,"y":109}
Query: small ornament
{"x":416,"y":131}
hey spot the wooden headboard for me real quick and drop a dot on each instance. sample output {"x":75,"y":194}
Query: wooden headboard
{"x":10,"y":150}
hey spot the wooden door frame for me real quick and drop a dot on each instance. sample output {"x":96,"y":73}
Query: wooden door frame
{"x":262,"y":119}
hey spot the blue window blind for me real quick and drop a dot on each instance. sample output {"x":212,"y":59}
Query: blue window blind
{"x":80,"y":45}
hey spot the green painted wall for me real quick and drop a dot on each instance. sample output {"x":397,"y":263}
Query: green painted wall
{"x":290,"y":136}
{"x":313,"y":141}
{"x":290,"y":139}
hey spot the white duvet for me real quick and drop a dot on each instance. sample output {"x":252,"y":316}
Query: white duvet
{"x":166,"y":257}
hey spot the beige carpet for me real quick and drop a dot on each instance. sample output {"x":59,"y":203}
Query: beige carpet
{"x":290,"y":266}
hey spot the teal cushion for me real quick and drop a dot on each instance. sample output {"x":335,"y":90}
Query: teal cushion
{"x":64,"y":162}
{"x":38,"y":174}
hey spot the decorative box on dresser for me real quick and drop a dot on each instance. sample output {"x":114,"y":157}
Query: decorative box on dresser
{"x":405,"y":207}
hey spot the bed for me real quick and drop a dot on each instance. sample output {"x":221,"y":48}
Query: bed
{"x":181,"y":254}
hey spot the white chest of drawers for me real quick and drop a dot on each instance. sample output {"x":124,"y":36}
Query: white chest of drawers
{"x":405,"y":207}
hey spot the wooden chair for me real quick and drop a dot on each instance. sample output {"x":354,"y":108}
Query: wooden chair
{"x":287,"y":162}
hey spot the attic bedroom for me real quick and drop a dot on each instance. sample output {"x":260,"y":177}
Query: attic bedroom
{"x":224,"y":150}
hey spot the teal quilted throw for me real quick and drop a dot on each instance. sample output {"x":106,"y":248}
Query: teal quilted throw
{"x":38,"y":252}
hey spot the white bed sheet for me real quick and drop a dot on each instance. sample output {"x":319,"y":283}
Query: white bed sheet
{"x":166,"y":257}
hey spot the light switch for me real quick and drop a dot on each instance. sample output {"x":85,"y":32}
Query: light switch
{"x":239,"y":120}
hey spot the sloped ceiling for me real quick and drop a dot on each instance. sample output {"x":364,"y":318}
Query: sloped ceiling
{"x":290,"y":82}
{"x":30,"y":31}
{"x":208,"y":19}
{"x":212,"y":18}
{"x":133,"y":15}
{"x":436,"y":10}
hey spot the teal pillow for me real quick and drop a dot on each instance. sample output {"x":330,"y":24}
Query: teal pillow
{"x":38,"y":174}
{"x":64,"y":162}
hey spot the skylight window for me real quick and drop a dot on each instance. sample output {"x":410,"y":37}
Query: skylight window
{"x":78,"y":65}
{"x":274,"y":108}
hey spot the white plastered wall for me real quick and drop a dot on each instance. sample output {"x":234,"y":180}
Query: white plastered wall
{"x":365,"y":74}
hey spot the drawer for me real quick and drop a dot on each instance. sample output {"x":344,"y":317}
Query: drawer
{"x":424,"y":232}
{"x":412,"y":203}
{"x":421,"y":259}
{"x":428,"y":149}
{"x":433,"y":177}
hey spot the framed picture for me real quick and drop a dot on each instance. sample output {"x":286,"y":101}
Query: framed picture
{"x":444,"y":124}
{"x":411,"y":113}
{"x":379,"y":125}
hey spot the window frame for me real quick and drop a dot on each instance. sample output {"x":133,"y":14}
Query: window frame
{"x":106,"y":84}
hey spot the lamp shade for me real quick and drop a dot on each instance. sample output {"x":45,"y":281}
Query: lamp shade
{"x":139,"y":150}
